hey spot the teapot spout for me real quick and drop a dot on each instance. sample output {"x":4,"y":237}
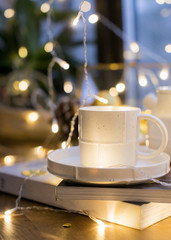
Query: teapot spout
{"x":150,"y":101}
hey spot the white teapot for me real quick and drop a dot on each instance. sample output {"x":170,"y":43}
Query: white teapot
{"x":160,"y":106}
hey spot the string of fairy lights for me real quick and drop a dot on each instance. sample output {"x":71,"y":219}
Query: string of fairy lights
{"x":83,"y":6}
{"x":23,"y":85}
{"x":120,"y":87}
{"x":94,"y":18}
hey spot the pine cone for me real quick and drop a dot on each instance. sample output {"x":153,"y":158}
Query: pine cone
{"x":65,"y":111}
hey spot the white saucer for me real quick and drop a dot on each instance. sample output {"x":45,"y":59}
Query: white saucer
{"x":65,"y":163}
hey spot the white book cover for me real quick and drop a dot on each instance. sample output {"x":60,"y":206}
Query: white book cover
{"x":44,"y":189}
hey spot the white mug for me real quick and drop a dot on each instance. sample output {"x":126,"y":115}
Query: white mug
{"x":109,"y":136}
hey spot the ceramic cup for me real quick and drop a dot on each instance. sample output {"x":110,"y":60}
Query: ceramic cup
{"x":109,"y":136}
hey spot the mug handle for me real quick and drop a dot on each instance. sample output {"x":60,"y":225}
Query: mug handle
{"x":164,"y":132}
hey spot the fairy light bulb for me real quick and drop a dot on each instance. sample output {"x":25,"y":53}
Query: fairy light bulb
{"x":63,"y":145}
{"x":63,"y":64}
{"x":142,"y":81}
{"x":75,"y":21}
{"x":54,"y":126}
{"x":9,"y":13}
{"x":93,"y":18}
{"x":99,"y":222}
{"x":48,"y":47}
{"x":134,"y":47}
{"x":113,"y":92}
{"x":45,"y":7}
{"x":100,"y":227}
{"x":7,"y":216}
{"x":168,"y":48}
{"x":68,"y":87}
{"x":100,"y":99}
{"x":120,"y":87}
{"x":164,"y":74}
{"x":9,"y":160}
{"x":8,"y":212}
{"x":39,"y":151}
{"x":32,"y":117}
{"x":22,"y":52}
{"x":85,"y":6}
{"x":23,"y":85}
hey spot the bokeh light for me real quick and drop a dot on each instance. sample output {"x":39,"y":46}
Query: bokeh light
{"x":68,"y":87}
{"x":120,"y":87}
{"x":45,"y":7}
{"x":9,"y":13}
{"x":22,"y":52}
{"x":93,"y":18}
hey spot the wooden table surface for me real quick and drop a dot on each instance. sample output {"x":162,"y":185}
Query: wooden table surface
{"x":45,"y":224}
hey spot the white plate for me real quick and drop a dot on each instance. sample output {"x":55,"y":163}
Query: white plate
{"x":65,"y":163}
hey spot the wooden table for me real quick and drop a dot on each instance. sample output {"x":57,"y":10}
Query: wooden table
{"x":45,"y":224}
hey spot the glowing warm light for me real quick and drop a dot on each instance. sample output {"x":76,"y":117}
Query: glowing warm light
{"x":9,"y":160}
{"x":48,"y":47}
{"x":32,"y":117}
{"x":16,"y":85}
{"x":160,"y":2}
{"x":113,"y":92}
{"x":8,"y":212}
{"x":93,"y":18}
{"x":9,"y":13}
{"x":7,"y":215}
{"x":45,"y":7}
{"x":63,"y":64}
{"x":101,"y":99}
{"x":85,"y":6}
{"x":7,"y":218}
{"x":168,"y":48}
{"x":120,"y":87}
{"x":68,"y":87}
{"x":63,"y":145}
{"x":39,"y":151}
{"x":134,"y":47}
{"x":75,"y":21}
{"x":142,"y":81}
{"x":22,"y":52}
{"x":101,"y":227}
{"x":23,"y":85}
{"x":55,"y":127}
{"x":168,"y":1}
{"x":164,"y":74}
{"x":101,"y":231}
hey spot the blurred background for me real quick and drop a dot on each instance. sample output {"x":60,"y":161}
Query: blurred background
{"x":128,"y":52}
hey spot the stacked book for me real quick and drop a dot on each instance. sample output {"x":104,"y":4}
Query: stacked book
{"x":136,"y":206}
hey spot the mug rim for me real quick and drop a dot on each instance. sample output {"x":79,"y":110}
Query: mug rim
{"x":109,"y":108}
